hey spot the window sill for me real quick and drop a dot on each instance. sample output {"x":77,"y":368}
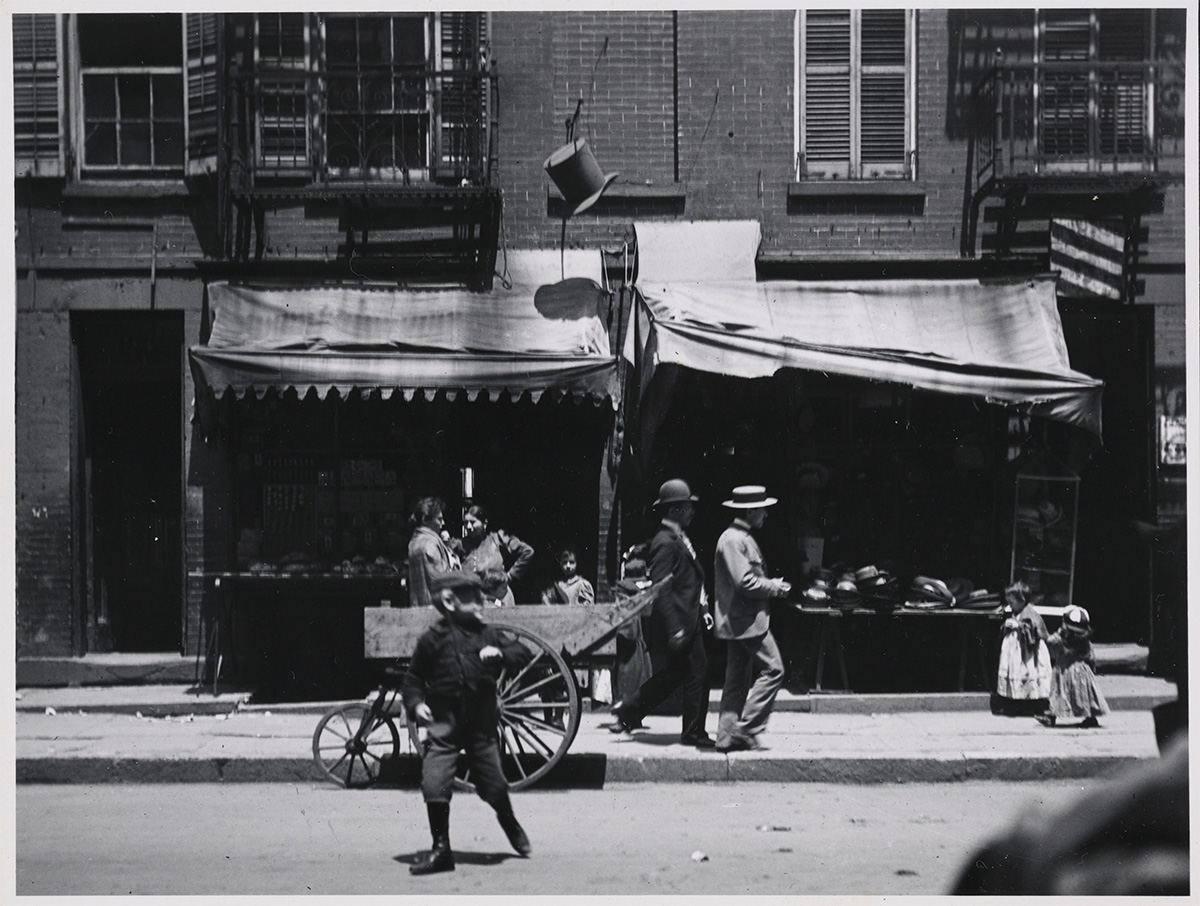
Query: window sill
{"x":129,"y":189}
{"x":896,"y":197}
{"x":856,"y":188}
{"x":633,"y":190}
{"x":628,"y":199}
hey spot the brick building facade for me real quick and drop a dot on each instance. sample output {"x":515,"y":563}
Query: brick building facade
{"x":707,"y":115}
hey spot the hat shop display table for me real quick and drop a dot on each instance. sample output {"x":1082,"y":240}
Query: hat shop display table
{"x":968,"y":624}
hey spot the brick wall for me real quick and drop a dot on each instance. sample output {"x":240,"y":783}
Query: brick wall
{"x":735,"y":142}
{"x":43,"y":479}
{"x":47,"y":595}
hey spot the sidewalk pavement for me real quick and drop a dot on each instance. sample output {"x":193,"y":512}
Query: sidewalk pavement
{"x":147,"y":734}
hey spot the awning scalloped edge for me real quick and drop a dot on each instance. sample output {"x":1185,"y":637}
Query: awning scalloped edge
{"x":408,"y":394}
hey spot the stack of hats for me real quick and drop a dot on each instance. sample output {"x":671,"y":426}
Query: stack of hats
{"x":845,"y":594}
{"x":980,"y":599}
{"x":878,"y":588}
{"x":818,"y":592}
{"x":929,"y":594}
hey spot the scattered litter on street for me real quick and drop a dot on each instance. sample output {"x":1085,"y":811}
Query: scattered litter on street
{"x":50,"y":711}
{"x":698,"y":856}
{"x":773,"y":827}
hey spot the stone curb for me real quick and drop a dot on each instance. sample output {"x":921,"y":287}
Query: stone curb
{"x":593,"y":771}
{"x":808,"y":704}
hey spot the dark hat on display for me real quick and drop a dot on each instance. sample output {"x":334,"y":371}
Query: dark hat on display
{"x":960,"y":588}
{"x":845,"y":594}
{"x":455,"y":579}
{"x":574,"y":170}
{"x":980,"y":599}
{"x":674,"y":490}
{"x":750,"y":497}
{"x":811,"y":476}
{"x":929,"y":594}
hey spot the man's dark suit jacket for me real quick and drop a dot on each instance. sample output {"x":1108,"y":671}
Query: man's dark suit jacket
{"x":677,"y":608}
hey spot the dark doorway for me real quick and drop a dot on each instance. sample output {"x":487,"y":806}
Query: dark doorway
{"x":130,"y":400}
{"x":1112,"y":564}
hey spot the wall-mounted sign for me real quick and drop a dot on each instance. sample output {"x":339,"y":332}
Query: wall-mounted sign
{"x":1172,"y":440}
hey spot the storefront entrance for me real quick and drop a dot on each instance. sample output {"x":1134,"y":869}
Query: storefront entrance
{"x":130,"y":465}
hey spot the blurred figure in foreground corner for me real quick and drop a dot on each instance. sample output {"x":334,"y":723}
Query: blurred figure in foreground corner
{"x":1169,"y":647}
{"x":1126,"y":837}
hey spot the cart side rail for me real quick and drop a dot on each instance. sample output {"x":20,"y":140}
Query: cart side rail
{"x":392,"y":632}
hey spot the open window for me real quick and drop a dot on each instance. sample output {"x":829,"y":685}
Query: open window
{"x":132,"y":112}
{"x":856,"y":94}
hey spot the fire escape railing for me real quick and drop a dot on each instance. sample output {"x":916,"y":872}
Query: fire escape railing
{"x":375,"y":124}
{"x":1082,"y":119}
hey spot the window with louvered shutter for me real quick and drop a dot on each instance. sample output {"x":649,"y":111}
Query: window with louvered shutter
{"x":202,"y":91}
{"x":463,"y":99}
{"x":283,"y":91}
{"x":1090,"y":115}
{"x":37,"y":125}
{"x":856,"y":94}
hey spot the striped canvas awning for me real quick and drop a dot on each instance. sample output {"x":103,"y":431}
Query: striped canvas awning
{"x":524,"y":340}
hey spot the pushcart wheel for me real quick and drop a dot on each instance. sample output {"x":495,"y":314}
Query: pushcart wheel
{"x":538,"y":714}
{"x":351,"y":742}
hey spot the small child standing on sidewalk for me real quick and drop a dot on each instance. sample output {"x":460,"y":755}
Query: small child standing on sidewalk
{"x":450,"y":689}
{"x":1073,"y":689}
{"x":1023,"y":677}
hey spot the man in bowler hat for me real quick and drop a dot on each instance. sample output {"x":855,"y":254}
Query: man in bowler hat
{"x":677,"y":621}
{"x":743,"y":619}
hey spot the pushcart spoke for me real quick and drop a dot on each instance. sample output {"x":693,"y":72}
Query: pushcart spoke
{"x":333,"y":768}
{"x":537,"y":705}
{"x":532,"y":721}
{"x":375,"y":738}
{"x":524,"y":670}
{"x":537,"y":741}
{"x":525,"y":691}
{"x":515,"y":755}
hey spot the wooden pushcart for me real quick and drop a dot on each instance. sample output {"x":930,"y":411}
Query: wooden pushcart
{"x":539,"y":705}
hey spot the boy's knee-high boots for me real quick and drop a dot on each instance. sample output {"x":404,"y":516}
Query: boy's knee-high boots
{"x":516,"y":834}
{"x":440,"y":858}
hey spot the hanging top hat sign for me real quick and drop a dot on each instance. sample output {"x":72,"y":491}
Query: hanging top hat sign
{"x":574,"y":170}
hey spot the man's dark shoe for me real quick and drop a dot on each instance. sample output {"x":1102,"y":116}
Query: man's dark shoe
{"x":440,"y":858}
{"x":700,"y":742}
{"x":516,"y":835}
{"x":512,"y":829}
{"x":623,"y":721}
{"x":436,"y":860}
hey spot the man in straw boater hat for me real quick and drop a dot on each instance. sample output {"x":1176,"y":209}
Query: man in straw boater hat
{"x":450,"y":689}
{"x":677,"y":622}
{"x":754,"y":667}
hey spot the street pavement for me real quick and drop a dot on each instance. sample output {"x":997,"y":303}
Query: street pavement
{"x":140,"y":734}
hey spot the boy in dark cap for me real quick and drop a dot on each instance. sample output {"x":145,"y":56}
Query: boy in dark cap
{"x":450,"y":689}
